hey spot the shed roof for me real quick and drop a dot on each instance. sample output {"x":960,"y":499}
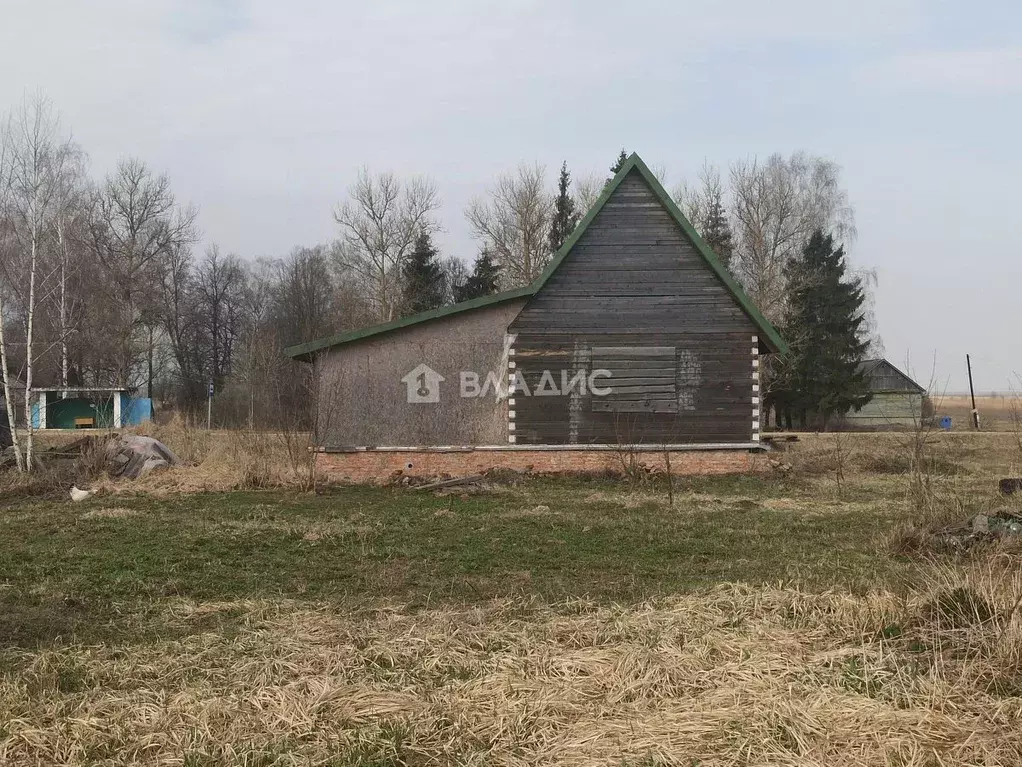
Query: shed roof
{"x":305,"y":351}
{"x":80,"y":388}
{"x":769,"y":337}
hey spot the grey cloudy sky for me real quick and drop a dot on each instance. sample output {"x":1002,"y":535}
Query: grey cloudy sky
{"x":262,"y":111}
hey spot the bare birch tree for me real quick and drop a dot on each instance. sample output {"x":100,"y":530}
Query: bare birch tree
{"x":38,"y":157}
{"x":513,"y":222}
{"x":587,"y":191}
{"x":776,"y":205}
{"x":379,"y":223}
{"x":68,"y":228}
{"x":5,"y":242}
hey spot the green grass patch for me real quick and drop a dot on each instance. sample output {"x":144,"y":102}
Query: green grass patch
{"x":96,"y":569}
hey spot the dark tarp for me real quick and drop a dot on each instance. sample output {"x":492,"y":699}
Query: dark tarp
{"x":133,"y":456}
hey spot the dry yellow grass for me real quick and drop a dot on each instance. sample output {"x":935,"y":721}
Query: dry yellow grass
{"x":995,"y":411}
{"x":218,"y":461}
{"x":731,"y":676}
{"x":882,"y":453}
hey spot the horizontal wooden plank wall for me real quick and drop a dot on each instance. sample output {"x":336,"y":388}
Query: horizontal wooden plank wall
{"x":888,"y":409}
{"x":635,"y":282}
{"x":884,"y":377}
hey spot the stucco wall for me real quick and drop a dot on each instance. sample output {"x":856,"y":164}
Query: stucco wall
{"x":364,"y":402}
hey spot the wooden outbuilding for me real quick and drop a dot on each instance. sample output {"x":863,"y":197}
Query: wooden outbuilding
{"x":896,"y":402}
{"x":635,"y":334}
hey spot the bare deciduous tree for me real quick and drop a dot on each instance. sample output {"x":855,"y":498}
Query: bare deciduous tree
{"x":5,"y":367}
{"x":69,"y":228}
{"x":181,"y":323}
{"x":696,"y":199}
{"x":135,"y":226}
{"x":305,"y":300}
{"x":587,"y":191}
{"x":456,"y":273}
{"x":220,"y":293}
{"x":379,"y":223}
{"x":776,"y":206}
{"x":38,"y":156}
{"x":513,"y":223}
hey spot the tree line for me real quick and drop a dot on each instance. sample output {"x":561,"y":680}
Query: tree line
{"x":101,"y":284}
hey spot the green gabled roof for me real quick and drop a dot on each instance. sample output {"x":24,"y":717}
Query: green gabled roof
{"x":303,"y":351}
{"x":768,"y":334}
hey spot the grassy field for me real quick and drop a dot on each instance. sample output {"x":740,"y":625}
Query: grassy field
{"x":996,"y":412}
{"x":774,"y":619}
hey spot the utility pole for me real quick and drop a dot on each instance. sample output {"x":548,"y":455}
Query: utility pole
{"x":209,"y":407}
{"x":972,"y":393}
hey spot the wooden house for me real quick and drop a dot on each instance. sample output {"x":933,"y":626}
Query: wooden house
{"x":635,"y":334}
{"x":896,"y":402}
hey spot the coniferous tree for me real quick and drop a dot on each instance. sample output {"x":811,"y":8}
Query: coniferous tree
{"x":422,"y":278}
{"x":717,"y":231}
{"x":622,"y":158}
{"x":820,"y":378}
{"x":483,"y":280}
{"x":565,"y":216}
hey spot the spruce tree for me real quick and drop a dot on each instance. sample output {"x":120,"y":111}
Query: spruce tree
{"x":483,"y":280}
{"x":619,"y":164}
{"x":622,"y":158}
{"x":565,"y":216}
{"x":820,"y":378}
{"x":422,"y":278}
{"x":717,"y":231}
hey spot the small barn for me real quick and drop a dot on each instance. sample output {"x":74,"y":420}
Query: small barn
{"x":635,"y":340}
{"x":897,"y":400}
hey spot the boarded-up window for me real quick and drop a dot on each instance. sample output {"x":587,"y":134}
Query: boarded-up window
{"x":642,"y":379}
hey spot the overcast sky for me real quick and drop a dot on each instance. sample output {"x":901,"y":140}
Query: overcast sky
{"x":262,"y":111}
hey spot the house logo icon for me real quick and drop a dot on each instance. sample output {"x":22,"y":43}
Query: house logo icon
{"x":423,"y":385}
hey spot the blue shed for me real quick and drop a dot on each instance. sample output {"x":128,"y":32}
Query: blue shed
{"x":88,"y":408}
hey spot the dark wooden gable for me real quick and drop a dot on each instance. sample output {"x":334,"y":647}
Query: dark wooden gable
{"x":634,"y":268}
{"x":885,"y":377}
{"x":634,"y":295}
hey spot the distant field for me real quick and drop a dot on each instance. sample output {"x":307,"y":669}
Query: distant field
{"x":995,"y":411}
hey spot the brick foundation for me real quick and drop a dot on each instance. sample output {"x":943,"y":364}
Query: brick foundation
{"x":377,"y":466}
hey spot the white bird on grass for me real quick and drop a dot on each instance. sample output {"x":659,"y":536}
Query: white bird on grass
{"x":80,"y":495}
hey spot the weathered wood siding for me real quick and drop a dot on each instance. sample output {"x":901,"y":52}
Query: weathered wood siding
{"x":634,"y":281}
{"x":888,"y":409}
{"x":884,"y":377}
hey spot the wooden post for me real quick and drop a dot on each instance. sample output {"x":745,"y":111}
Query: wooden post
{"x":972,"y":393}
